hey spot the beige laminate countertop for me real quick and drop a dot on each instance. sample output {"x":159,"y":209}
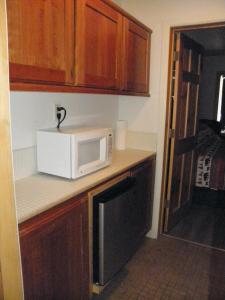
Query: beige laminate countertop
{"x":40,"y":192}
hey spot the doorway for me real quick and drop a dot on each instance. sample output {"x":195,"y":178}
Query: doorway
{"x":192,"y":126}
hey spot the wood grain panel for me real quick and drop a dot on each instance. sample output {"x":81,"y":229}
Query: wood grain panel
{"x":21,"y":86}
{"x":22,"y":72}
{"x":9,"y":248}
{"x":145,"y":177}
{"x":170,"y":109}
{"x":76,"y":43}
{"x":54,"y":250}
{"x":186,"y":60}
{"x":176,"y":184}
{"x":183,"y":122}
{"x":191,"y":114}
{"x":181,"y":117}
{"x":136,"y":57}
{"x":98,"y":45}
{"x":187,"y":178}
{"x":41,"y":40}
{"x":1,"y":288}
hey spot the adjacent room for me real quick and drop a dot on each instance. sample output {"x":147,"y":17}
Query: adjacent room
{"x":203,"y":220}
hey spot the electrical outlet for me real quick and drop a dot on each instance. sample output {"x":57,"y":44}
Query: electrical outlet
{"x":55,"y":106}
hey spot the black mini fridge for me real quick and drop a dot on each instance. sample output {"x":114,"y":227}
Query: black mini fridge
{"x":116,"y":230}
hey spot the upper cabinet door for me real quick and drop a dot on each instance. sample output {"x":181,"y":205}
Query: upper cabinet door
{"x":136,"y":57}
{"x":98,"y":45}
{"x":41,"y":40}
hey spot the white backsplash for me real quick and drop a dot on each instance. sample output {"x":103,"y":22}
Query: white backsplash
{"x":34,"y":110}
{"x":142,"y":140}
{"x":30,"y":111}
{"x":24,"y":162}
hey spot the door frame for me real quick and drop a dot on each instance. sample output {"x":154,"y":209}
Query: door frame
{"x":10,"y":265}
{"x":173,"y":31}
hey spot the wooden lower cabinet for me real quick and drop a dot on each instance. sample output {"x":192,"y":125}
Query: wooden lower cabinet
{"x":56,"y":258}
{"x":145,"y":177}
{"x":55,"y":253}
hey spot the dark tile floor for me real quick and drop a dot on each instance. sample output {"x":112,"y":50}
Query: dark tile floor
{"x":203,"y":224}
{"x":205,"y":221}
{"x":169,"y":268}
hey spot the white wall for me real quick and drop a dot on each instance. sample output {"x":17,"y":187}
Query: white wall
{"x":118,"y":2}
{"x":148,"y":115}
{"x":208,"y":91}
{"x":33,"y":110}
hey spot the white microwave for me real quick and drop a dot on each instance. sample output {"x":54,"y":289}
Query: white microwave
{"x":73,"y":152}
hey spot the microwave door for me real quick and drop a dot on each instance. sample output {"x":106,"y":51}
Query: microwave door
{"x":91,"y":155}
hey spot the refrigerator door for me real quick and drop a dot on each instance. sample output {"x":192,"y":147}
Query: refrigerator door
{"x":118,"y":233}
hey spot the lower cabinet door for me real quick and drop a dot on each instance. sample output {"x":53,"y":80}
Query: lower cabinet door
{"x":54,"y":251}
{"x":144,"y":175}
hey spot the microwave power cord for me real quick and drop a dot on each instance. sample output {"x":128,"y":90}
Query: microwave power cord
{"x":59,"y":115}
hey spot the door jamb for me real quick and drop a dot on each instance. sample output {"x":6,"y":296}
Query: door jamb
{"x":10,"y":265}
{"x":173,"y":31}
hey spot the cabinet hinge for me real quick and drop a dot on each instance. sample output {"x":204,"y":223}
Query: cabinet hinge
{"x":167,"y":204}
{"x":171,"y":133}
{"x":176,"y":55}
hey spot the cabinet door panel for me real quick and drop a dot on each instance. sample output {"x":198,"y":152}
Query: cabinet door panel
{"x":145,"y":176}
{"x":54,"y":251}
{"x":136,"y":58}
{"x":98,"y":45}
{"x":41,"y":40}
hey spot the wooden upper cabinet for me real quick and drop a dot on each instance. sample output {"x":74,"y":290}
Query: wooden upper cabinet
{"x":41,"y":40}
{"x":90,"y":46}
{"x":98,"y":45}
{"x":136,"y":57}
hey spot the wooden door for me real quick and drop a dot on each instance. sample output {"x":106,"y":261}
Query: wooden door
{"x":98,"y":45}
{"x":41,"y":40}
{"x":54,"y":251}
{"x":136,"y":57}
{"x":184,"y":97}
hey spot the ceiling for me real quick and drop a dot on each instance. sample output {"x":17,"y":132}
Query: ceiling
{"x":212,"y":39}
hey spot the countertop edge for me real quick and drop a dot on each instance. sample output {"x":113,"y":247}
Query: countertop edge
{"x":89,"y":187}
